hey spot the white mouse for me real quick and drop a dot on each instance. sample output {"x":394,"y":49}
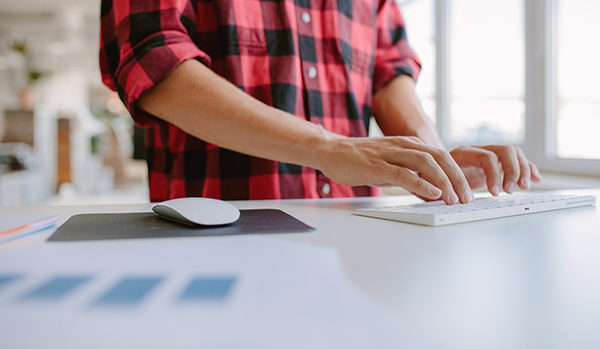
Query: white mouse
{"x":201,"y":211}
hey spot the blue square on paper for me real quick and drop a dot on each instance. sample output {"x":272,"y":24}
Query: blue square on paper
{"x":7,"y":279}
{"x":129,"y":291}
{"x":201,"y":289}
{"x":57,"y":288}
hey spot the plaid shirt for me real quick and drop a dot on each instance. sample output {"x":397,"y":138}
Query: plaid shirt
{"x":320,"y":60}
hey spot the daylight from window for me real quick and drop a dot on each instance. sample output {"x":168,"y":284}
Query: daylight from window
{"x":487,"y":71}
{"x":486,"y":62}
{"x":578,"y":79}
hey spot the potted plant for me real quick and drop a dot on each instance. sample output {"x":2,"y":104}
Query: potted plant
{"x":27,"y":93}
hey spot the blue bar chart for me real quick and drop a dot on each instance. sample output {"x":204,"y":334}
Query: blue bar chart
{"x":125,"y":291}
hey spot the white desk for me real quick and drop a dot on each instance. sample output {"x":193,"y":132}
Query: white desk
{"x":530,"y":281}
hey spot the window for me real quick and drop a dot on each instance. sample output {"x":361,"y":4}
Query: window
{"x":523,"y":72}
{"x":578,"y":79}
{"x":486,"y":51}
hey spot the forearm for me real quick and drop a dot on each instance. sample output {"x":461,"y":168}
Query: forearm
{"x":210,"y":108}
{"x":398,"y":112}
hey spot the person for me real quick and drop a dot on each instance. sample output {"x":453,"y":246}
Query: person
{"x":251,"y":99}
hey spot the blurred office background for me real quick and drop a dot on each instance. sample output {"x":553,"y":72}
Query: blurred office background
{"x":66,"y":138}
{"x":523,"y":72}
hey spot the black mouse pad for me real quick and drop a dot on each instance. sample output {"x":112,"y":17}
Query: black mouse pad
{"x":149,"y":225}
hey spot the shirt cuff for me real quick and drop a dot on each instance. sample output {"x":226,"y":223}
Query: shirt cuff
{"x":386,"y":72}
{"x":148,"y":63}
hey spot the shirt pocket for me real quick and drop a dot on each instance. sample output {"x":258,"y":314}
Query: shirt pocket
{"x":358,"y":61}
{"x":240,"y":41}
{"x":240,"y":23}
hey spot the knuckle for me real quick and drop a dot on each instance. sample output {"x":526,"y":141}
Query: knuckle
{"x":401,"y":172}
{"x":397,"y":141}
{"x":446,"y":156}
{"x":512,"y":175}
{"x":424,"y":157}
{"x":402,"y":175}
{"x":520,"y":153}
{"x":517,"y":149}
{"x":421,"y":186}
{"x":446,"y":183}
{"x":438,"y":152}
{"x":511,"y":150}
{"x":405,"y":140}
{"x":489,"y":157}
{"x":443,"y":156}
{"x":504,"y":151}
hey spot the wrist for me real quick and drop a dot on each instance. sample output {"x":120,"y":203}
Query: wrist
{"x":321,"y":148}
{"x":427,"y":133}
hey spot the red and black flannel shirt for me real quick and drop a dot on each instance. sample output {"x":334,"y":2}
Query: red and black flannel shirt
{"x":320,"y":60}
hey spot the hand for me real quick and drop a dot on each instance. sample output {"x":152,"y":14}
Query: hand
{"x":496,"y":166}
{"x":426,"y":171}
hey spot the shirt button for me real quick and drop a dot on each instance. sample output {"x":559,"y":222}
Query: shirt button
{"x":312,"y":72}
{"x":326,"y":189}
{"x":305,"y":17}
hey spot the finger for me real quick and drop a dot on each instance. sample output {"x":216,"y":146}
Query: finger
{"x":525,"y":178}
{"x":508,"y":158}
{"x":536,"y":177}
{"x":484,"y":159}
{"x":421,"y":197}
{"x":475,"y":176}
{"x":402,"y":177}
{"x":427,"y":166}
{"x":459,"y":185}
{"x":454,"y":173}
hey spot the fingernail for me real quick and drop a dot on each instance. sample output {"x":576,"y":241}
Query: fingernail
{"x":467,"y":197}
{"x":435,"y":192}
{"x":526,"y":183}
{"x":510,"y":187}
{"x":453,"y":198}
{"x":496,"y":190}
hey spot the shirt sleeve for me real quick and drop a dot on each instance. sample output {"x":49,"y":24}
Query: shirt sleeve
{"x":141,"y":43}
{"x":394,"y":57}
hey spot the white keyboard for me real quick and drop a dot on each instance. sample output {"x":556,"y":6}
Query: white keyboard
{"x":438,"y":213}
